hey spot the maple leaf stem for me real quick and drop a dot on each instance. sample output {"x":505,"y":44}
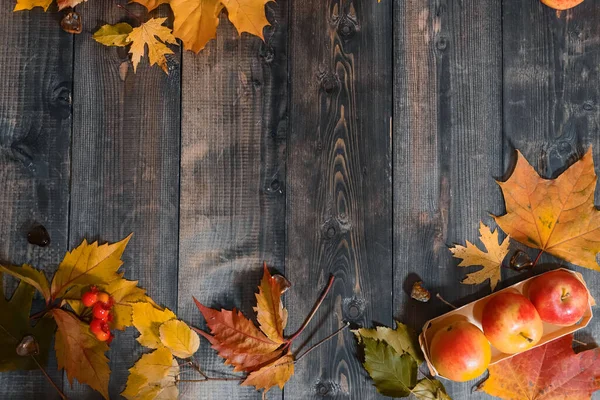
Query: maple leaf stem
{"x":313,"y":311}
{"x":537,"y":258}
{"x":320,"y":342}
{"x":194,"y":364}
{"x":130,"y":13}
{"x":60,"y":393}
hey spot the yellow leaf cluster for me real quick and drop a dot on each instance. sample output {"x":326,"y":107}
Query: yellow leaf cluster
{"x":153,"y":377}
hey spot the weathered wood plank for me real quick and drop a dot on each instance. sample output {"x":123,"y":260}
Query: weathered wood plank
{"x":447,"y":146}
{"x":126,"y":139}
{"x":339,"y":185}
{"x":234,"y":129}
{"x":552,"y":96}
{"x":35,"y":131}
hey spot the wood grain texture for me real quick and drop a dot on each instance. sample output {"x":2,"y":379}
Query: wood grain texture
{"x":35,"y":131}
{"x":339,"y":185}
{"x":552,"y":98}
{"x":234,"y":129}
{"x":447,"y":147}
{"x":126,"y":140}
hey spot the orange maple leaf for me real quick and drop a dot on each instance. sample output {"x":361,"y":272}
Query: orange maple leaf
{"x":548,"y":372}
{"x":554,"y":215}
{"x":270,"y":313}
{"x":275,"y":373}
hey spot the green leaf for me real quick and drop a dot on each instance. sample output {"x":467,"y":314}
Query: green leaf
{"x":15,"y":325}
{"x":113,"y":35}
{"x":430,"y":389}
{"x":394,"y":374}
{"x":34,"y":277}
{"x":401,"y":339}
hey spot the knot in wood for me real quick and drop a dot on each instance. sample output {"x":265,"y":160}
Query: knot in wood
{"x":326,"y":389}
{"x":329,"y":82}
{"x":353,"y":308}
{"x":441,"y":43}
{"x":267,"y":53}
{"x":346,"y":28}
{"x":60,"y":99}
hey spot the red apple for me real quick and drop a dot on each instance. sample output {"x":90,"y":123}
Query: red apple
{"x":460,"y":351}
{"x":562,"y":4}
{"x":511,"y":323}
{"x":559,"y":297}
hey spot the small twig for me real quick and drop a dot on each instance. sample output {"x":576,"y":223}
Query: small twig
{"x":445,"y":302}
{"x":579,"y":342}
{"x":320,"y":342}
{"x":60,"y":393}
{"x":130,"y":13}
{"x":314,"y":309}
{"x":537,"y":258}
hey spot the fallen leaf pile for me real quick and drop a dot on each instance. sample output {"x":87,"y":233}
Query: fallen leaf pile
{"x":264,"y":353}
{"x":392,"y":359}
{"x":551,"y":371}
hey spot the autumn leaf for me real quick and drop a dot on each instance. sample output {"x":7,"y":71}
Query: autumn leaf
{"x":16,"y":325}
{"x":247,"y":15}
{"x":401,"y":339}
{"x":430,"y":389}
{"x":113,"y":35}
{"x":179,"y":338}
{"x":88,"y":264}
{"x":558,"y":215}
{"x":156,"y":37}
{"x":80,"y":353}
{"x":195,"y":22}
{"x":152,"y":4}
{"x":491,"y":261}
{"x":549,"y":372}
{"x":394,"y":374}
{"x":32,"y":276}
{"x":147,"y":319}
{"x":270,"y":313}
{"x":62,"y":4}
{"x":153,"y":376}
{"x":276,"y":373}
{"x":30,"y":4}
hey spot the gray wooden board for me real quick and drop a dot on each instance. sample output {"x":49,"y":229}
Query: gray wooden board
{"x":552,"y":99}
{"x":447,"y":147}
{"x":35,"y":131}
{"x":339,"y":213}
{"x":125,"y":163}
{"x":234,"y":128}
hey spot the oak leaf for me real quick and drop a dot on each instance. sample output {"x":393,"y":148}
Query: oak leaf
{"x":155,"y":36}
{"x":270,"y":313}
{"x":490,"y":260}
{"x":30,"y":4}
{"x":80,"y":353}
{"x":276,"y":373}
{"x":30,"y":275}
{"x":62,"y":4}
{"x":401,"y":339}
{"x":15,"y":325}
{"x":113,"y":35}
{"x":88,"y":264}
{"x":147,"y":319}
{"x":153,"y":376}
{"x":554,"y":215}
{"x":176,"y":336}
{"x":549,"y":372}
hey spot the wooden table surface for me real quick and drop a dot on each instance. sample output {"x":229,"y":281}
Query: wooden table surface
{"x":361,"y":139}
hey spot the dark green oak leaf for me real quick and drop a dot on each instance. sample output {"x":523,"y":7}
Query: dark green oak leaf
{"x":15,"y":325}
{"x":394,"y":374}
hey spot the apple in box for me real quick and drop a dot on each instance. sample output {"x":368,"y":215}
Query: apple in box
{"x":511,"y":322}
{"x":559,"y":297}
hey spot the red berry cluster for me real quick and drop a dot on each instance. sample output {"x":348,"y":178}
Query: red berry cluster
{"x":101,"y":304}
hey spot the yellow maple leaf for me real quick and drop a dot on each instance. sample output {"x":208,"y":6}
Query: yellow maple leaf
{"x":491,"y":261}
{"x":270,"y":313}
{"x":62,"y":4}
{"x":30,"y":4}
{"x":80,"y":353}
{"x":151,"y":4}
{"x":248,"y":15}
{"x":147,"y":319}
{"x":401,"y":339}
{"x":156,"y":37}
{"x":113,"y":35}
{"x":179,"y":338}
{"x":32,"y":276}
{"x":558,"y":215}
{"x":275,"y":373}
{"x":88,"y":264}
{"x":153,"y":376}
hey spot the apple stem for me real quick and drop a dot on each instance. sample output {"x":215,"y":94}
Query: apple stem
{"x":439,"y":296}
{"x":526,"y":337}
{"x":565,"y":295}
{"x":537,"y":258}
